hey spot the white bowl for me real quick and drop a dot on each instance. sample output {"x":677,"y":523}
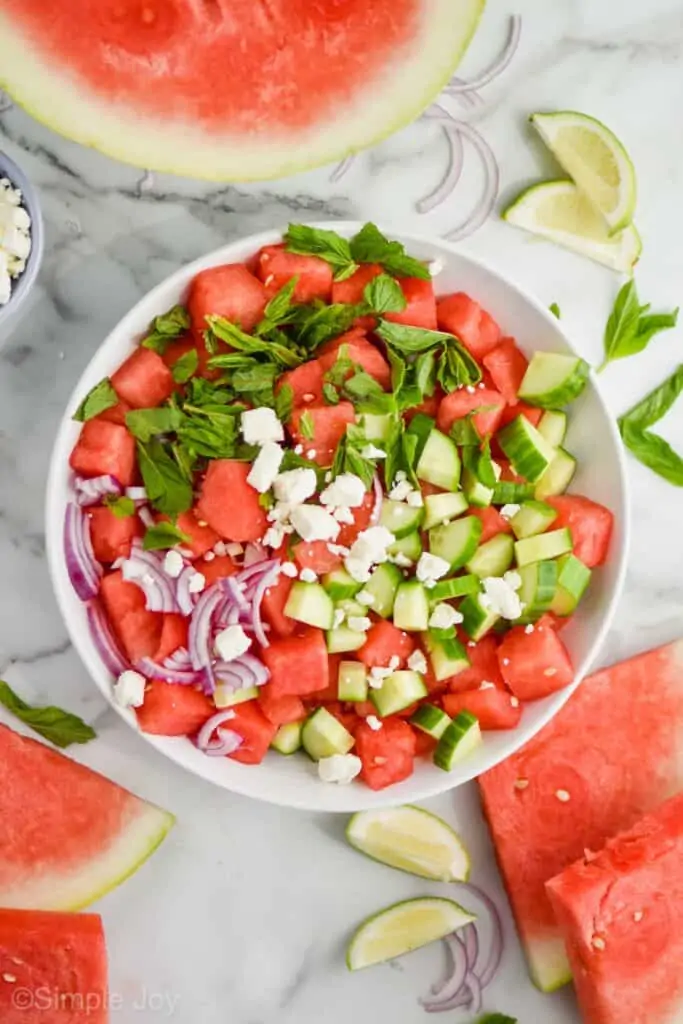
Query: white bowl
{"x":592,"y":437}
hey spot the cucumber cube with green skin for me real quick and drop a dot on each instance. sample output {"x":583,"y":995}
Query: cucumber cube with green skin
{"x":409,"y":546}
{"x":553,"y":379}
{"x":411,"y":607}
{"x":352,"y":684}
{"x":376,"y":427}
{"x":310,"y":603}
{"x":557,"y":476}
{"x":398,"y":691}
{"x":444,"y":590}
{"x":399,"y":518}
{"x":538,"y":589}
{"x":382,"y":587}
{"x":533,"y":517}
{"x":573,"y":579}
{"x":224,"y":697}
{"x":528,"y":450}
{"x":439,"y":463}
{"x":440,"y":507}
{"x":342,"y":640}
{"x":543,"y":546}
{"x":477,"y":620}
{"x":477,"y":493}
{"x":339,"y":584}
{"x":447,"y":655}
{"x":323,"y":735}
{"x":492,"y":558}
{"x":459,"y":740}
{"x":553,"y":426}
{"x":431,"y":720}
{"x":510,"y":492}
{"x":456,"y":542}
{"x":287,"y":740}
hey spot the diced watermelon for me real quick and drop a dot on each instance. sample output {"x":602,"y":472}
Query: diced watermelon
{"x":306,"y":382}
{"x":328,"y":425}
{"x":462,"y":316}
{"x":483,"y":666}
{"x":494,"y":708}
{"x":273,"y":607}
{"x":202,"y":537}
{"x":460,"y":404}
{"x":359,"y":350}
{"x":114,"y":414}
{"x":256,"y":730}
{"x":425,"y":745}
{"x":507,"y":473}
{"x":298,"y":664}
{"x":384,"y":641}
{"x":217,"y":569}
{"x":351,"y":290}
{"x":144,"y":380}
{"x":591,"y":525}
{"x":492,"y":522}
{"x":315,"y":555}
{"x":104,"y":448}
{"x":361,"y":520}
{"x":173,"y":710}
{"x":230,"y":291}
{"x":388,"y":755}
{"x":276,"y":266}
{"x":346,"y":714}
{"x":530,"y":412}
{"x":420,"y":310}
{"x":182,"y":346}
{"x":112,"y":536}
{"x":229,"y":504}
{"x":280,"y":710}
{"x":428,"y":407}
{"x":534,"y":662}
{"x":176,"y":349}
{"x":173,"y":635}
{"x":138,"y":629}
{"x":507,"y":365}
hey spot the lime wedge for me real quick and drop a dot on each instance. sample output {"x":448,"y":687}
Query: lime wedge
{"x":557,"y":210}
{"x":402,"y":928}
{"x":593,"y":156}
{"x":410,"y":839}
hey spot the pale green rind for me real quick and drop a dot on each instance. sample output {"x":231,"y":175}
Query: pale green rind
{"x":548,"y":965}
{"x":388,"y":104}
{"x":459,"y":917}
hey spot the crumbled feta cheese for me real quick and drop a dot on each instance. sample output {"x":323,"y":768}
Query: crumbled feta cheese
{"x":469,"y":389}
{"x":369,"y":549}
{"x":347,"y":490}
{"x":401,"y":490}
{"x":209,"y":556}
{"x":220,"y":548}
{"x":508,"y":511}
{"x":529,"y":628}
{"x":431,"y":568}
{"x":486,"y":685}
{"x":197,"y":583}
{"x":173,"y":564}
{"x":394,"y":660}
{"x":289,"y":569}
{"x":377,"y":676}
{"x":339,"y":768}
{"x":15,"y":237}
{"x":299,"y":449}
{"x":294,"y":486}
{"x":338,"y":549}
{"x":129,"y":689}
{"x":265,"y":467}
{"x":359,"y":623}
{"x":373,"y":722}
{"x":500,"y":595}
{"x":339,"y":616}
{"x":343,"y":515}
{"x":513,"y":579}
{"x":231,"y":642}
{"x":364,"y":597}
{"x":417,"y":662}
{"x":372,"y":452}
{"x":415,"y":499}
{"x":274,"y":536}
{"x":444,"y":616}
{"x":402,"y":561}
{"x":312,"y":522}
{"x":401,"y":475}
{"x":261,"y":425}
{"x":308,"y":576}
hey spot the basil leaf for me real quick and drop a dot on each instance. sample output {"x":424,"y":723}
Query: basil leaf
{"x":348,"y":457}
{"x":496,"y":1018}
{"x":457,"y":368}
{"x":147,"y":423}
{"x":255,"y":377}
{"x":59,"y":727}
{"x":383,"y":295}
{"x":651,"y":449}
{"x":99,"y":399}
{"x":630,"y":327}
{"x":284,"y":402}
{"x":279,"y":308}
{"x":328,"y":245}
{"x":555,"y":310}
{"x":411,"y":340}
{"x":185,"y":367}
{"x":168,"y":489}
{"x":162,"y":536}
{"x":655,"y":405}
{"x":371,"y":246}
{"x":401,"y":449}
{"x":425,"y":373}
{"x":306,"y":426}
{"x":166,"y":328}
{"x":464,"y":432}
{"x":361,"y":386}
{"x":121,"y":506}
{"x":314,"y":325}
{"x":330,"y":394}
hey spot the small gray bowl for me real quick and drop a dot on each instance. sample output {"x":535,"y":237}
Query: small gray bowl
{"x":23,"y":284}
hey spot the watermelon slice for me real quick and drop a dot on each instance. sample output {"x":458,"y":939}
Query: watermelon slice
{"x":67,"y":835}
{"x":621,"y":913}
{"x":231,"y":90}
{"x":611,"y":755}
{"x":53,"y":968}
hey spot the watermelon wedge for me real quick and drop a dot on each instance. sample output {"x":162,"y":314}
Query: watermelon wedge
{"x":611,"y":755}
{"x":67,"y":835}
{"x":53,"y":968}
{"x":621,"y":913}
{"x":231,"y":89}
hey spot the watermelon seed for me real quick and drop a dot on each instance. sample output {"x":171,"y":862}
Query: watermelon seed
{"x":506,"y":661}
{"x":521,"y":783}
{"x":550,"y":672}
{"x":514,"y":701}
{"x":638,"y":916}
{"x":529,"y":628}
{"x":9,"y":978}
{"x":598,"y":943}
{"x":563,"y":796}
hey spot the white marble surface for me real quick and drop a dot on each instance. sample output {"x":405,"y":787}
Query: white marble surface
{"x":241,"y":917}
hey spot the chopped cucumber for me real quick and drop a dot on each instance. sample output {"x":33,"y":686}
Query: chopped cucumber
{"x":376,"y":426}
{"x":382,"y":587}
{"x":323,"y":735}
{"x":439,"y":463}
{"x":409,"y":546}
{"x":225,"y":697}
{"x":533,"y":517}
{"x":287,"y":740}
{"x":310,"y":603}
{"x":557,"y":476}
{"x":538,"y":589}
{"x":411,"y":607}
{"x":353,"y":682}
{"x":509,"y":492}
{"x":461,"y":737}
{"x":431,"y":720}
{"x":400,"y":518}
{"x":572,"y":581}
{"x":553,"y":380}
{"x":526,"y":448}
{"x":553,"y":426}
{"x":477,"y":493}
{"x":398,"y":691}
{"x":444,"y":590}
{"x":494,"y":557}
{"x":339,"y":584}
{"x":543,"y":546}
{"x":477,"y":620}
{"x":351,"y":607}
{"x":342,"y":639}
{"x":440,"y":507}
{"x":456,"y":542}
{"x":447,"y":655}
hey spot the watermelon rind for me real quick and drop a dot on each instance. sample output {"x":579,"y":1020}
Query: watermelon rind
{"x":548,"y":964}
{"x":399,"y":94}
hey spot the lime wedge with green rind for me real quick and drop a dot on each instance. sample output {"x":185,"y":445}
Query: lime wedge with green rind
{"x":411,"y":840}
{"x":402,"y":928}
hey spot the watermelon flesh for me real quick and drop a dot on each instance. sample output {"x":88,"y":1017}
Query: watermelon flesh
{"x":618,"y":721}
{"x":53,"y":968}
{"x":231,"y":90}
{"x":621,"y":913}
{"x":67,"y":834}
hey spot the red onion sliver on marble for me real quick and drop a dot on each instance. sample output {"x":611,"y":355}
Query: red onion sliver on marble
{"x":225,"y":742}
{"x":83,"y":569}
{"x":105,"y":642}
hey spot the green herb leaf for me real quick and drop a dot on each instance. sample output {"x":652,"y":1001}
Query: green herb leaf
{"x":362,"y":388}
{"x":330,"y":394}
{"x":411,"y":340}
{"x":341,"y":368}
{"x":651,"y":449}
{"x":121,"y":506}
{"x":59,"y":727}
{"x":314,"y":325}
{"x":484,"y":471}
{"x":164,"y":535}
{"x":306,"y":426}
{"x":254,"y":377}
{"x":290,"y":460}
{"x":166,"y":328}
{"x":284,"y":403}
{"x":464,"y":432}
{"x":328,"y":245}
{"x":99,"y":399}
{"x":279,"y":308}
{"x":457,"y":368}
{"x":168,"y":489}
{"x":630,"y":327}
{"x":401,"y":449}
{"x":147,"y":423}
{"x":555,"y":310}
{"x":348,"y":457}
{"x":274,"y":351}
{"x":424,"y":369}
{"x":496,"y":1018}
{"x":371,"y":246}
{"x":186,"y":366}
{"x":383,"y":295}
{"x":211,"y":430}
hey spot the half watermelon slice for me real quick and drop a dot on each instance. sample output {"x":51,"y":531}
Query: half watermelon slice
{"x":231,"y":89}
{"x":610,"y":756}
{"x":67,"y":834}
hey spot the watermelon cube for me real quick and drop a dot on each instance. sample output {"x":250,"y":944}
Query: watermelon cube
{"x":273,"y":607}
{"x":462,"y":316}
{"x":256,"y":730}
{"x":591,"y":525}
{"x":112,"y":536}
{"x":534,"y":662}
{"x":144,"y":380}
{"x":387,"y":755}
{"x":280,"y":710}
{"x":138,"y":629}
{"x":173,"y":710}
{"x":385,"y":641}
{"x":202,"y":537}
{"x":351,"y":290}
{"x":420,"y":308}
{"x":228,"y":504}
{"x":174,"y":631}
{"x":495,"y":709}
{"x":460,"y":404}
{"x":298,"y":664}
{"x":306,"y":382}
{"x":507,"y":366}
{"x":492,"y":522}
{"x":217,"y":569}
{"x":316,"y":555}
{"x":358,"y":349}
{"x":230,"y":291}
{"x":276,"y":266}
{"x":104,"y":448}
{"x":483,"y":667}
{"x":322,"y":430}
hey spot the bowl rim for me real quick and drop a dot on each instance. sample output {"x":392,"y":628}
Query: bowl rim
{"x":343,"y":801}
{"x":31,"y":202}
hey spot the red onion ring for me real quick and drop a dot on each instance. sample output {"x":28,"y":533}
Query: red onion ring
{"x":379,"y":500}
{"x":144,"y":568}
{"x":225,"y":742}
{"x":231,"y":586}
{"x":342,"y":168}
{"x":83,"y":569}
{"x":453,"y":984}
{"x":185,"y":599}
{"x":475,"y":986}
{"x":267,"y":580}
{"x":153,"y":670}
{"x":199,"y":637}
{"x":103,"y":637}
{"x":452,"y":175}
{"x":91,"y":490}
{"x":179,"y":659}
{"x":470,"y":940}
{"x":145,"y":514}
{"x":491,"y":185}
{"x":137,"y":494}
{"x":497,"y":67}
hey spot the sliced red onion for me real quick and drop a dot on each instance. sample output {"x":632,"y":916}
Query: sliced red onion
{"x":342,"y":168}
{"x":179,"y":659}
{"x":498,"y":66}
{"x":471,"y":98}
{"x":491,"y":184}
{"x":453,"y":984}
{"x":137,"y":494}
{"x":453,"y":171}
{"x":488,"y":963}
{"x":103,"y":637}
{"x":185,"y":599}
{"x":470,"y":940}
{"x":145,"y":514}
{"x":267,"y":580}
{"x":153,"y":670}
{"x":144,"y":568}
{"x":232,"y":588}
{"x":224,"y":742}
{"x":83,"y":569}
{"x":253,"y":554}
{"x":200,"y":634}
{"x":379,"y":500}
{"x":90,"y":491}
{"x":475,"y":987}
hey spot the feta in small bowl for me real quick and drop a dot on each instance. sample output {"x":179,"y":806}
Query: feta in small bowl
{"x":21,"y":237}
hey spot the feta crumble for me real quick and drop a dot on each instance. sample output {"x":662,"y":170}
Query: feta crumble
{"x":129,"y":689}
{"x":348,"y":490}
{"x":231,"y":642}
{"x":359,"y":623}
{"x":289,"y":569}
{"x":197,"y":583}
{"x":374,"y":723}
{"x":173,"y":564}
{"x":371,"y":451}
{"x":339,"y":768}
{"x":15,"y":238}
{"x":431,"y":568}
{"x":261,"y":425}
{"x":308,"y":576}
{"x":500,"y":595}
{"x":417,"y":662}
{"x":369,"y":549}
{"x":508,"y":511}
{"x":312,"y":522}
{"x":444,"y":616}
{"x":265,"y":467}
{"x":294,"y":486}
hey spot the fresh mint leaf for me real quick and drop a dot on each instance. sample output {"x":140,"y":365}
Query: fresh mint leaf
{"x":555,"y":310}
{"x":424,"y":369}
{"x":162,"y":536}
{"x":166,"y":328}
{"x":362,"y":387}
{"x":484,"y":471}
{"x":327,"y":245}
{"x":496,"y":1018}
{"x":306,"y":426}
{"x":185,"y":367}
{"x":314,"y":325}
{"x":630,"y":327}
{"x":278,"y":352}
{"x":348,"y":457}
{"x":649,"y":448}
{"x":464,"y":432}
{"x":147,"y":423}
{"x":290,"y":460}
{"x":411,"y":340}
{"x":99,"y":399}
{"x":457,"y":368}
{"x":279,"y":308}
{"x":59,"y":727}
{"x":341,"y":368}
{"x":121,"y":506}
{"x":330,"y":394}
{"x":284,"y":402}
{"x":401,"y":449}
{"x":255,"y":377}
{"x":211,"y":431}
{"x":168,"y":489}
{"x":371,"y":246}
{"x":383,"y":295}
